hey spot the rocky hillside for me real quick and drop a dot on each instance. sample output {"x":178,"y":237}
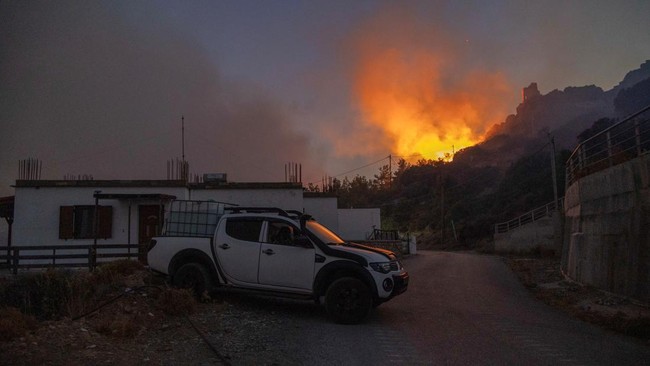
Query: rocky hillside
{"x":561,"y":113}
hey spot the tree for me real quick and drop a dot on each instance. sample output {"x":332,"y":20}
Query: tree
{"x":311,"y":187}
{"x":383,"y":180}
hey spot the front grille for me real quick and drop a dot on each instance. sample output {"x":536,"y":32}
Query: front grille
{"x":394,"y":266}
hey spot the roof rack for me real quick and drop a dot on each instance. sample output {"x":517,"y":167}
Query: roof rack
{"x":239,"y":209}
{"x":295,"y":213}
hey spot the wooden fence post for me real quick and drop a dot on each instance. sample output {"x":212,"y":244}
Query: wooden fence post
{"x":15,"y":260}
{"x":90,"y":258}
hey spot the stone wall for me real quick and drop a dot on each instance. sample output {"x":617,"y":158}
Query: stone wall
{"x":606,"y":231}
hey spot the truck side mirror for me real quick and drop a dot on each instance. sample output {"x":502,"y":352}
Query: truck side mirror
{"x":303,"y":221}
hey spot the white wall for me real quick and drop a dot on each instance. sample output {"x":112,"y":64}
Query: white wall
{"x":287,"y":199}
{"x":37,"y":210}
{"x":358,"y":223}
{"x":324,"y":210}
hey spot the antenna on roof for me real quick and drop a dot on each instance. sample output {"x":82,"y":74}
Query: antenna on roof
{"x":183,"y":137}
{"x":30,"y":169}
{"x":293,"y":173}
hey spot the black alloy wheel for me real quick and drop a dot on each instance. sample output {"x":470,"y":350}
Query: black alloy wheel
{"x":348,"y":300}
{"x":193,"y":276}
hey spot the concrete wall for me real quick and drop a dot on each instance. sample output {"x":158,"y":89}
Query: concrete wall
{"x":358,"y":223}
{"x":37,"y":211}
{"x":606,"y":236}
{"x":288,"y":199}
{"x":324,"y":210}
{"x":532,"y":237}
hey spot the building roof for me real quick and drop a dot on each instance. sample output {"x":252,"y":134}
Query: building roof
{"x":154,"y":183}
{"x":245,"y":185}
{"x":319,"y":195}
{"x":133,"y":196}
{"x":99,"y":183}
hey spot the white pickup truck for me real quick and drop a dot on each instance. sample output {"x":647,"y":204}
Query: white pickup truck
{"x":282,"y":253}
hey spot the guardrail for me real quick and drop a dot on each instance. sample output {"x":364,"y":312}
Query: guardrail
{"x":531,"y":216}
{"x":619,"y":143}
{"x":63,"y":256}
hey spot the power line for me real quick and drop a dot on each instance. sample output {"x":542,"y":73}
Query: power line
{"x":391,"y":157}
{"x":355,"y":169}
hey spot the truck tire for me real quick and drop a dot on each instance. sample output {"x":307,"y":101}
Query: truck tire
{"x":348,"y":300}
{"x":193,"y":276}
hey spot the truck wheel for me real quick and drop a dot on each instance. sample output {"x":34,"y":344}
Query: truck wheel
{"x":348,"y":300}
{"x":193,"y":276}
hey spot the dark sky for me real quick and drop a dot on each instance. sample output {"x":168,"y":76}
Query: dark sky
{"x":99,"y":87}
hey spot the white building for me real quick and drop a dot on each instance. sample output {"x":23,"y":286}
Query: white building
{"x":54,"y":212}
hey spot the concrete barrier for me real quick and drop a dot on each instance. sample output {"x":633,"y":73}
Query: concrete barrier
{"x":534,"y":237}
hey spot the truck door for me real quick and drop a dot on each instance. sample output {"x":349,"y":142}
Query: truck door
{"x":282,"y":261}
{"x":237,"y":245}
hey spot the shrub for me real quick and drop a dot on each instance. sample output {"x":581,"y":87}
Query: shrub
{"x":14,"y":324}
{"x":43,"y":295}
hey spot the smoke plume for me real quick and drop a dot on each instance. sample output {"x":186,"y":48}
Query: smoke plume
{"x":87,"y":90}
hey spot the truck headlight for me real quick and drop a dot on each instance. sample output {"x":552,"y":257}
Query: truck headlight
{"x":382,"y":267}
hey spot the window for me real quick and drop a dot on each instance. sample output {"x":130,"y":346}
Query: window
{"x":280,"y":233}
{"x":247,"y":229}
{"x":76,"y":222}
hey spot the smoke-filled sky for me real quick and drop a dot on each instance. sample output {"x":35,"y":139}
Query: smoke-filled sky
{"x":99,"y":88}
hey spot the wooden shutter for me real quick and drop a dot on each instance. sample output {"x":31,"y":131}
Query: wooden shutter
{"x":105,"y":228}
{"x":66,"y":222}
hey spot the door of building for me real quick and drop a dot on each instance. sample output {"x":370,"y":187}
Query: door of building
{"x":150,"y":225}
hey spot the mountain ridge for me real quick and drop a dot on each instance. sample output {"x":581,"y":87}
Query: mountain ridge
{"x":562,"y":114}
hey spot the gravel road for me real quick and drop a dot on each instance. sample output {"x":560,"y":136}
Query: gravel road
{"x":460,"y":309}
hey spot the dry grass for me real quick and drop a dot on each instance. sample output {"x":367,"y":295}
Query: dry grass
{"x":176,"y":302}
{"x":14,"y":324}
{"x":113,"y":273}
{"x":121,"y":326}
{"x":58,"y":294}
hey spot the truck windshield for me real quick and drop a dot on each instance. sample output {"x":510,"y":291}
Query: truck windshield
{"x":323,"y":233}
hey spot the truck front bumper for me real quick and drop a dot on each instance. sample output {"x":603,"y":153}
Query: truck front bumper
{"x":401,"y":283}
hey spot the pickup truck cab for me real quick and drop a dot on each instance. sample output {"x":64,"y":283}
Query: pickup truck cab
{"x":277,"y":252}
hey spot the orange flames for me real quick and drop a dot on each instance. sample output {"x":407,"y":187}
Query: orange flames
{"x":420,"y":104}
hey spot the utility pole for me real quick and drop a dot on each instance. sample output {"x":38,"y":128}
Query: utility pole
{"x":442,"y":208}
{"x":183,"y":138}
{"x":553,"y":172}
{"x":390,"y":171}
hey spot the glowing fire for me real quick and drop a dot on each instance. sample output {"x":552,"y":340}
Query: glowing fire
{"x":420,"y":108}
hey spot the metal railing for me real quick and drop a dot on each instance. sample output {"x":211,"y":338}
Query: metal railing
{"x":63,"y":256}
{"x":531,"y":216}
{"x":621,"y":142}
{"x":378,"y":234}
